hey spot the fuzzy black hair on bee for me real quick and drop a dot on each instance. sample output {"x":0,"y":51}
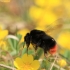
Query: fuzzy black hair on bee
{"x":40,"y":39}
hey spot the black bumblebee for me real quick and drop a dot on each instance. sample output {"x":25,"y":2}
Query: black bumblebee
{"x":40,"y":39}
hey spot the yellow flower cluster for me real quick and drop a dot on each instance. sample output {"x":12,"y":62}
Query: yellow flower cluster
{"x":64,"y":40}
{"x":3,"y":34}
{"x":26,"y":62}
{"x":42,"y":12}
{"x":47,"y":3}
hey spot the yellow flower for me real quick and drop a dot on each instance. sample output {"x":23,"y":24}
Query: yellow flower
{"x":41,"y":3}
{"x":53,"y":3}
{"x":62,"y":62}
{"x":3,"y":45}
{"x":22,"y":32}
{"x":64,"y":40}
{"x":59,"y":11}
{"x":3,"y":33}
{"x":48,"y":17}
{"x":26,"y":62}
{"x":5,"y":0}
{"x":66,"y":4}
{"x":47,"y":3}
{"x":35,"y":12}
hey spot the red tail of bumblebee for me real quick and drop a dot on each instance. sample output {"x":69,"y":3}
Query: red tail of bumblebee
{"x":53,"y":50}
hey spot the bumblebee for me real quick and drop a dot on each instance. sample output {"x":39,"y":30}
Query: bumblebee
{"x":40,"y":39}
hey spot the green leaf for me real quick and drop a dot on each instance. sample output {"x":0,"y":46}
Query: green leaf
{"x":45,"y":64}
{"x":11,"y":43}
{"x":54,"y":68}
{"x":67,"y":54}
{"x":19,"y":36}
{"x":14,"y":43}
{"x":24,"y":51}
{"x":14,"y":52}
{"x":22,"y":44}
{"x":30,"y":51}
{"x":38,"y":54}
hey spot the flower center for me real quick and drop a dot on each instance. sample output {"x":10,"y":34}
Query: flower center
{"x":27,"y":66}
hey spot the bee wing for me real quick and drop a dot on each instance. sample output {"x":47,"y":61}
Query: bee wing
{"x":54,"y":28}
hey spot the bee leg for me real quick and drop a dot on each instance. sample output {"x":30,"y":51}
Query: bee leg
{"x":36,"y":47}
{"x":33,"y":45}
{"x":45,"y":54}
{"x":27,"y":40}
{"x":39,"y":42}
{"x":23,"y":44}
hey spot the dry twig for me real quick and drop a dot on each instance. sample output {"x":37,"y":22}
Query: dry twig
{"x":5,"y":66}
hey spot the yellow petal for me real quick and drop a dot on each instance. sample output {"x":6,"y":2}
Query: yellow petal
{"x":18,"y":63}
{"x":23,"y":31}
{"x":3,"y":45}
{"x":41,"y":3}
{"x":27,"y":58}
{"x":3,"y":34}
{"x":59,"y":11}
{"x":35,"y":64}
{"x":64,"y":40}
{"x":48,"y":17}
{"x":35,"y":12}
{"x":53,"y":3}
{"x":41,"y":23}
